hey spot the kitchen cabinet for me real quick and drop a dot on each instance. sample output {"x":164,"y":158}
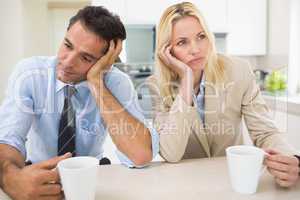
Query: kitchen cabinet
{"x":245,"y":22}
{"x":115,"y":6}
{"x":289,"y":125}
{"x":146,"y":12}
{"x":247,"y":27}
{"x":215,"y":14}
{"x":214,"y":11}
{"x":287,"y":122}
{"x":149,"y":12}
{"x":136,"y":11}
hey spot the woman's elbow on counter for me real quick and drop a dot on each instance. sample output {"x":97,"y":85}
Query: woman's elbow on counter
{"x":171,"y":157}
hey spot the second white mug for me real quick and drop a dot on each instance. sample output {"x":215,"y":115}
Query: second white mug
{"x":245,"y":164}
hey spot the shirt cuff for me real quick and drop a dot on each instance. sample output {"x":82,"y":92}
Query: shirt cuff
{"x":298,"y":157}
{"x":155,"y":149}
{"x":20,"y":147}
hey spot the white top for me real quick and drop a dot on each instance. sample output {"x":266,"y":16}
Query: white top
{"x":190,"y":179}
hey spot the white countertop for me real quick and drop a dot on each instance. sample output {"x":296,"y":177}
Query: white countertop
{"x":190,"y":179}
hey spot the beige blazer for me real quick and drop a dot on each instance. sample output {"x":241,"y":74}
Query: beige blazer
{"x":184,"y":135}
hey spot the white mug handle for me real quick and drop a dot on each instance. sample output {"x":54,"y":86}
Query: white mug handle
{"x":263,"y":169}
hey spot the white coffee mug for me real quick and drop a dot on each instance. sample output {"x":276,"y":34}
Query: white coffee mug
{"x":245,"y":164}
{"x":79,"y":177}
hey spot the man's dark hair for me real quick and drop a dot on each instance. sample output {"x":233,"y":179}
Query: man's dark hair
{"x":100,"y":21}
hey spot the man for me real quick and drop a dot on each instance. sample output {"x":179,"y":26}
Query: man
{"x":59,"y":106}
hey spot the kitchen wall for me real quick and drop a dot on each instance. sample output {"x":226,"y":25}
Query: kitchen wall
{"x":27,"y":30}
{"x":11,"y":40}
{"x":35,"y":28}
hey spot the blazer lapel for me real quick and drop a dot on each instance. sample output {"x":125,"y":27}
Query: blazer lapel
{"x":213,"y":106}
{"x":199,"y":129}
{"x":211,"y":103}
{"x":201,"y":135}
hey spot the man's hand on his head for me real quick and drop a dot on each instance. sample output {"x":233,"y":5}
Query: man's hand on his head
{"x":105,"y":62}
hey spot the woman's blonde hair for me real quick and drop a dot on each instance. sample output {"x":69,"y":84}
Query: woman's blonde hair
{"x":214,"y":69}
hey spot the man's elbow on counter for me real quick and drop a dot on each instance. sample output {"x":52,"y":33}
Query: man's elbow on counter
{"x":142,"y":158}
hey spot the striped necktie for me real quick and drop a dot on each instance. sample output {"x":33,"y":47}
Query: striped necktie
{"x":67,"y":124}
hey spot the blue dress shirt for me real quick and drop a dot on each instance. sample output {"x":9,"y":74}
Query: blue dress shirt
{"x":30,"y":113}
{"x":199,"y":99}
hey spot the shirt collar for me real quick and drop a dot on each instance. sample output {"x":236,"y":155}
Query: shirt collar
{"x":82,"y":89}
{"x":60,"y":85}
{"x":201,"y":84}
{"x":202,"y":81}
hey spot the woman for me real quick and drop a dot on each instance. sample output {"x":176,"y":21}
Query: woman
{"x":200,"y":97}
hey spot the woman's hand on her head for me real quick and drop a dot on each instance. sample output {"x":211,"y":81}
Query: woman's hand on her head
{"x":184,"y":71}
{"x":173,"y":63}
